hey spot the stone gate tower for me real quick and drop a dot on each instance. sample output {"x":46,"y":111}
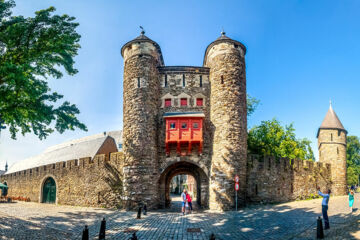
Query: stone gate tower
{"x":226,"y":59}
{"x":332,"y":149}
{"x":141,"y":56}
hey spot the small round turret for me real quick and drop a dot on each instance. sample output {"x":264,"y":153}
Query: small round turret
{"x":225,"y":58}
{"x":142,"y":56}
{"x":332,"y":149}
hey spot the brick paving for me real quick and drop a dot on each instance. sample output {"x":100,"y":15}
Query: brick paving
{"x":294,"y":220}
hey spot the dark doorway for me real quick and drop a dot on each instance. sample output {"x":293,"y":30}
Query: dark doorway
{"x":49,"y":191}
{"x":201,"y":196}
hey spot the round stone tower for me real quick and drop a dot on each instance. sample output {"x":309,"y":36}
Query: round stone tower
{"x":141,"y":56}
{"x":332,"y":149}
{"x":226,"y":59}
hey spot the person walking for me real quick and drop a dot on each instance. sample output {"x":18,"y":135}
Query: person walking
{"x":183,"y":199}
{"x":351,"y":199}
{"x":325,"y":205}
{"x":188,"y":198}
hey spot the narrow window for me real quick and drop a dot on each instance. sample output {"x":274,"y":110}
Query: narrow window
{"x":138,"y":82}
{"x":222,"y":79}
{"x":76,"y":162}
{"x":183,"y":102}
{"x":256,"y":189}
{"x":37,"y":169}
{"x":64,"y":164}
{"x":168,"y":102}
{"x":199,"y":102}
{"x":53,"y":166}
{"x":30,"y":171}
{"x":331,"y":137}
{"x":183,"y":80}
{"x":172,"y":125}
{"x":200,"y":80}
{"x":195,"y":125}
{"x":184,"y":125}
{"x":337,"y":150}
{"x":25,"y":172}
{"x":44,"y":168}
{"x":165,"y":82}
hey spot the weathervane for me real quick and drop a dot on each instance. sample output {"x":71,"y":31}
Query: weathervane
{"x":222,"y":31}
{"x":142,"y":30}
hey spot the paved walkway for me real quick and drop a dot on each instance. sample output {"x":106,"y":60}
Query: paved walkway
{"x":284,"y":221}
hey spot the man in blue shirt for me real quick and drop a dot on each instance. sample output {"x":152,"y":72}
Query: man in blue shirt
{"x":183,"y":198}
{"x":325,"y":204}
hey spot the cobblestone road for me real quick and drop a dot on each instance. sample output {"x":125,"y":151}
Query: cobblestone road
{"x":283,"y":221}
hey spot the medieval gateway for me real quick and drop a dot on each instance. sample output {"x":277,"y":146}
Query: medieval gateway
{"x":178,"y":120}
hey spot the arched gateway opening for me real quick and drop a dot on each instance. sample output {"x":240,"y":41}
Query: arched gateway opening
{"x":184,"y":168}
{"x":49,"y":191}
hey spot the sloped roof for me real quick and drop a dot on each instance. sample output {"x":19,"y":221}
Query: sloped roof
{"x":331,"y":121}
{"x":74,"y":149}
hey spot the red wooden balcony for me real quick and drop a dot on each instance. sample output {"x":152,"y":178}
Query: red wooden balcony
{"x":184,"y":130}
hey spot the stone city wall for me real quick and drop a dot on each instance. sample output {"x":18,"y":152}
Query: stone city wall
{"x":273,"y":179}
{"x":79,"y":182}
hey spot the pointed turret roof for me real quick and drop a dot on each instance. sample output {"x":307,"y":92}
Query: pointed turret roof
{"x":222,"y":38}
{"x":143,"y":38}
{"x":331,"y":121}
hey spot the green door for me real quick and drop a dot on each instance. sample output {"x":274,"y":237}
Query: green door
{"x":49,"y":191}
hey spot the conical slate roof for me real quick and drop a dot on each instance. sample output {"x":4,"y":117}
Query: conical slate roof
{"x":143,"y":38}
{"x":331,"y":121}
{"x":222,"y":38}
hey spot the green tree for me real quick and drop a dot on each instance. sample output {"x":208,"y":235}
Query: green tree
{"x":252,"y":104}
{"x":353,"y":159}
{"x":32,"y":50}
{"x":272,"y":139}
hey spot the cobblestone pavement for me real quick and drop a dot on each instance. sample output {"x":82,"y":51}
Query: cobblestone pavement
{"x":282,"y":221}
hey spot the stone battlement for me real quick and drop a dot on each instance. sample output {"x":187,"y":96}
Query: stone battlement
{"x":271,"y":179}
{"x":97,"y":178}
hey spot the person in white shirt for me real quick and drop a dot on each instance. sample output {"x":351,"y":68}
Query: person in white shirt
{"x":325,"y":205}
{"x":183,"y":198}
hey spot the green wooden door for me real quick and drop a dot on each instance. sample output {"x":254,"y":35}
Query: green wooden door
{"x":49,"y":191}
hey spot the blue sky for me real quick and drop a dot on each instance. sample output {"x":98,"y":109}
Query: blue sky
{"x":300,"y":54}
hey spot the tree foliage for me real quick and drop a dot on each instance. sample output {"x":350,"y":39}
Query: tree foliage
{"x":353,"y":160}
{"x":252,"y":104}
{"x":272,"y":139}
{"x":32,"y":50}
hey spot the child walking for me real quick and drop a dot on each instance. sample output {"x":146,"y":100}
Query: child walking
{"x":351,"y":200}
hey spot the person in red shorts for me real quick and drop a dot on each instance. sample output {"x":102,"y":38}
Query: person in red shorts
{"x":188,"y":199}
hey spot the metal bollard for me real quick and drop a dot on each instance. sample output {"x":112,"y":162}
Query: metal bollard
{"x":212,"y":236}
{"x":134,"y":237}
{"x":145,"y":210}
{"x":139,"y":213}
{"x":102,"y":230}
{"x":319,"y":229}
{"x":85,"y":235}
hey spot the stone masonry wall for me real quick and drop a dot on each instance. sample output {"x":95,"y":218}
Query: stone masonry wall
{"x":332,"y":149}
{"x":272,"y":179}
{"x":80,"y":182}
{"x":229,"y":124}
{"x":198,"y":166}
{"x":141,"y":94}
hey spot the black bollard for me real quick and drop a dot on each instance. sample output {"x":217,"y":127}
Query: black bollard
{"x":139,"y":213}
{"x":212,"y":237}
{"x":319,"y":229}
{"x":134,"y":237}
{"x":85,"y":235}
{"x":145,"y":209}
{"x":102,"y":230}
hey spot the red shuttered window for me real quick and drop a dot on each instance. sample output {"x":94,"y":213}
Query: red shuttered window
{"x":168,"y":102}
{"x":183,"y":102}
{"x":199,"y":102}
